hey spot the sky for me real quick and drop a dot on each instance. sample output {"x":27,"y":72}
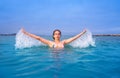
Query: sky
{"x":70,"y":16}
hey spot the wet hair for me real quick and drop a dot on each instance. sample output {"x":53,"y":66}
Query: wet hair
{"x":55,"y":31}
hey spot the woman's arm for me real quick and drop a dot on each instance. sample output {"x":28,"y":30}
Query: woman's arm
{"x":74,"y":38}
{"x":37,"y":37}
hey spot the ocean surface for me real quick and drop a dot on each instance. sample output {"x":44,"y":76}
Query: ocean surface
{"x":97,"y":59}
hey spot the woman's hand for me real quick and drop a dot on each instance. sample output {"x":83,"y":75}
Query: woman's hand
{"x":84,"y":30}
{"x":23,"y":30}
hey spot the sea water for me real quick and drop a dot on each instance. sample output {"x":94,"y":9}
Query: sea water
{"x":98,"y":57}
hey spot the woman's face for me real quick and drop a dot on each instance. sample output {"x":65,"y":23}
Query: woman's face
{"x":56,"y":35}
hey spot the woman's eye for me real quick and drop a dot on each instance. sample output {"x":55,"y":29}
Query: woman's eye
{"x":57,"y":34}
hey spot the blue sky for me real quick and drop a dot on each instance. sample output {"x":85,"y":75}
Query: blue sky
{"x":70,"y":16}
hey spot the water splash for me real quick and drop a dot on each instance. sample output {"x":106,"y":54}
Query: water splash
{"x":24,"y":41}
{"x":84,"y":41}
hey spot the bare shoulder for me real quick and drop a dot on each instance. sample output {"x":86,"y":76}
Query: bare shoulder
{"x":51,"y":43}
{"x":63,"y":41}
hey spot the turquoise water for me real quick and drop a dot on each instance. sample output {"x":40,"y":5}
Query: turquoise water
{"x":100,"y":61}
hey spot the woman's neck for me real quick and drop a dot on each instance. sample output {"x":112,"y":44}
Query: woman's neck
{"x":56,"y":40}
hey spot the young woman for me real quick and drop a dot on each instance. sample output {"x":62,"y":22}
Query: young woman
{"x":57,"y":43}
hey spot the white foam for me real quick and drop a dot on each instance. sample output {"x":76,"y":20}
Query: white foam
{"x":84,"y":41}
{"x":24,"y":41}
